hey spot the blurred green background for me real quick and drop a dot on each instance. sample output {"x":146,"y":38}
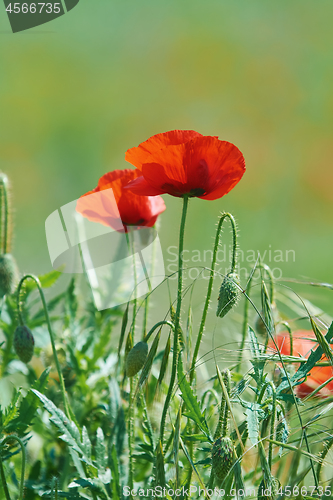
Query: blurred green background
{"x":76,"y":93}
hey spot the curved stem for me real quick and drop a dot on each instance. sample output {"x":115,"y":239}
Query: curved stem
{"x":211,"y":280}
{"x":42,"y":296}
{"x":4,"y":217}
{"x":177,"y":318}
{"x":160,"y":323}
{"x":20,"y":442}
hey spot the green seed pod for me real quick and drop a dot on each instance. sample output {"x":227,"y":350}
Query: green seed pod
{"x":260,"y":327}
{"x":136,"y":358}
{"x":222,"y":457}
{"x":282,"y":432}
{"x":229,"y":294}
{"x":8,"y":274}
{"x":266,"y":492}
{"x":24,"y":343}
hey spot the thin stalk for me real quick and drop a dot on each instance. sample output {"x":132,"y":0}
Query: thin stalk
{"x":131,"y":436}
{"x":177,"y":319}
{"x":4,"y":217}
{"x":24,"y":457}
{"x":211,"y":280}
{"x":146,"y":309}
{"x":131,"y":409}
{"x":48,"y":322}
{"x":273,"y":417}
{"x":246,"y":309}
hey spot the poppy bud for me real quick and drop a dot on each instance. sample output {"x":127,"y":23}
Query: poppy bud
{"x":24,"y":343}
{"x":8,"y":274}
{"x":229,"y":294}
{"x":136,"y":358}
{"x":282,"y":432}
{"x":222,"y":457}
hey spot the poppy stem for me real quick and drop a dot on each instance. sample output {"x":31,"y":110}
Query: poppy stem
{"x":48,"y":322}
{"x":177,"y":318}
{"x":131,"y":409}
{"x":211,"y":280}
{"x":4,"y":215}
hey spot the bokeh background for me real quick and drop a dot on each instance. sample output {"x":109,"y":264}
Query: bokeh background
{"x":76,"y":93}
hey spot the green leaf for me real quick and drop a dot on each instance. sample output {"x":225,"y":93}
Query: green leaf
{"x":86,"y":442}
{"x":253,"y":422}
{"x":116,"y":492}
{"x":188,"y":456}
{"x":100,"y":449}
{"x":70,"y":433}
{"x":148,"y":363}
{"x":71,"y":302}
{"x":267,"y":309}
{"x":160,"y":474}
{"x":193,"y":410}
{"x":104,"y":474}
{"x":305,"y":368}
{"x":123,"y":329}
{"x":165,"y":361}
{"x":70,"y":495}
{"x":28,"y":406}
{"x":258,"y":364}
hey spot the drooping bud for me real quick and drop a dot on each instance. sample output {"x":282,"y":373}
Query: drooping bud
{"x":229,"y":294}
{"x":260,"y":327}
{"x":136,"y":358}
{"x":222,"y":457}
{"x":24,"y":343}
{"x":8,"y":274}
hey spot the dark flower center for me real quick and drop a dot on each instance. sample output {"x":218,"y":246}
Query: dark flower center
{"x":197,"y":192}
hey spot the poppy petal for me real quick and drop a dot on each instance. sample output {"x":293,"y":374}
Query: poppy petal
{"x":211,"y":162}
{"x":145,"y":152}
{"x":141,"y":187}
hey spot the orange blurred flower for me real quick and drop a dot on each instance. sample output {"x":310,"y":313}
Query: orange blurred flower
{"x":302,"y":346}
{"x":114,"y":203}
{"x":185,"y":162}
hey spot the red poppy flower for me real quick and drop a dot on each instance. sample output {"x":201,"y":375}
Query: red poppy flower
{"x":111,"y":205}
{"x":185,"y":162}
{"x":302,"y":346}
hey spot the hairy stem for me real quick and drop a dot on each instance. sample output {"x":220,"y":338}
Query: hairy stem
{"x":5,"y":214}
{"x":211,"y":280}
{"x":42,"y":296}
{"x":177,"y":319}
